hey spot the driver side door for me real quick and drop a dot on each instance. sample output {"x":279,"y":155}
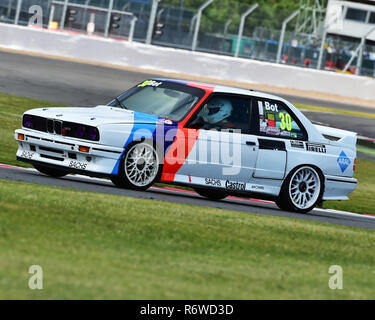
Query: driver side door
{"x":224,"y":149}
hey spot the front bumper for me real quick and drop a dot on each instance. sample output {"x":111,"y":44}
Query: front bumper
{"x":63,"y":153}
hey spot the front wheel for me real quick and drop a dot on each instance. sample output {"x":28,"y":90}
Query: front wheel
{"x":50,"y":172}
{"x":211,"y":194}
{"x":301,"y":191}
{"x":139,"y":167}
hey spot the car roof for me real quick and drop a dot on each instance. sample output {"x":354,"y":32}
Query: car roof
{"x":224,"y":89}
{"x":311,"y":129}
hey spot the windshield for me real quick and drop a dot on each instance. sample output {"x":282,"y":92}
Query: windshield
{"x":162,"y":99}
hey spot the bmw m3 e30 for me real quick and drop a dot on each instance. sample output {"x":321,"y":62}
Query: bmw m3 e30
{"x":218,"y":140}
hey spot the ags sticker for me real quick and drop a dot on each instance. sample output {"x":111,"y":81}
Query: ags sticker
{"x":343,"y":161}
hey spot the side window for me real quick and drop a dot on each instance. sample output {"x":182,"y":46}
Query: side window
{"x":276,"y":121}
{"x":224,"y":112}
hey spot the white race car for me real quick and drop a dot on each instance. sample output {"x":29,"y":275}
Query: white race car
{"x":218,"y":140}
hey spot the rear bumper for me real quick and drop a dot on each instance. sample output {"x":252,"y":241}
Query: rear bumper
{"x":338,"y":188}
{"x":63,"y":153}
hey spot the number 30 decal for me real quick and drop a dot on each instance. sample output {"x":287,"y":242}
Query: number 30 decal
{"x":286,"y":121}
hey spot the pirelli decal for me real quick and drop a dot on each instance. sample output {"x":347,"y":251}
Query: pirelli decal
{"x":316,"y":147}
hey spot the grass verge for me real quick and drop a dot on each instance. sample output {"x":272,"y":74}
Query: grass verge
{"x":337,"y":111}
{"x":97,"y":246}
{"x":362,"y":199}
{"x":12,"y":108}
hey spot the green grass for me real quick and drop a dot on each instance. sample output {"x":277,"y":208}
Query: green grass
{"x":362,"y":200}
{"x":366,"y":150}
{"x":12,"y":108}
{"x":93,"y":245}
{"x":337,"y":111}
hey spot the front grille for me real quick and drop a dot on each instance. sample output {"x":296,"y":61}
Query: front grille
{"x":58,"y":127}
{"x":51,"y":150}
{"x":63,"y":128}
{"x":50,"y":126}
{"x":51,"y":157}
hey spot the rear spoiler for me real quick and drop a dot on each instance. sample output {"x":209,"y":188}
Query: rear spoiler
{"x":338,"y":137}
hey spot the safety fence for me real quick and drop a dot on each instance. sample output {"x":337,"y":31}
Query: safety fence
{"x":243,"y":31}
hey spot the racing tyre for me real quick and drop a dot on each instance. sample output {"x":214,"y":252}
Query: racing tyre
{"x":211,"y":194}
{"x":140,"y":167}
{"x":301,"y":191}
{"x":50,"y":172}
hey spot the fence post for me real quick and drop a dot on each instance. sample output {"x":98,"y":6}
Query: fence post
{"x":360,"y":51}
{"x":320,"y":59}
{"x":347,"y":66}
{"x":151,"y":21}
{"x":198,"y":22}
{"x":18,"y":11}
{"x":240,"y":30}
{"x":51,"y":15}
{"x":62,"y":21}
{"x":132,"y":28}
{"x":226,"y":26}
{"x":192,"y":22}
{"x":108,"y":22}
{"x":282,"y":34}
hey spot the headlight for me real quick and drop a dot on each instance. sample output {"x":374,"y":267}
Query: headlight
{"x":80,"y":131}
{"x":93,"y":134}
{"x":34,"y":122}
{"x":26,"y":121}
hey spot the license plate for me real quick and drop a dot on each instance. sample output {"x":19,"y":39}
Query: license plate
{"x":27,"y":154}
{"x":78,"y":165}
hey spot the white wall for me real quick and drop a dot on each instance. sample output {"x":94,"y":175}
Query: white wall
{"x":185,"y":62}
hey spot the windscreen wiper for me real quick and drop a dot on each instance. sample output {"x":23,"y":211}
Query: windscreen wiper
{"x":120,"y":103}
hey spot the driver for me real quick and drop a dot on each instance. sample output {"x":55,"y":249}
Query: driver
{"x":217,"y":110}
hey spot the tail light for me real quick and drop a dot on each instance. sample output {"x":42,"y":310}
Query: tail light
{"x":355,"y":164}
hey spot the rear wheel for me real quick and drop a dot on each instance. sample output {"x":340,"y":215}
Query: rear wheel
{"x":139,"y":167}
{"x":211,"y":194}
{"x":301,"y":191}
{"x":50,"y":171}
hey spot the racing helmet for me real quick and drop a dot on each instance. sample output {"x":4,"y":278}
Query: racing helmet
{"x":217,"y":110}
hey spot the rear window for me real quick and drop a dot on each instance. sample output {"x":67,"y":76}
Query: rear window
{"x":275,"y":120}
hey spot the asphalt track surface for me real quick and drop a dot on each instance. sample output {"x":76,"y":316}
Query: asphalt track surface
{"x":80,"y":84}
{"x":186,"y":197}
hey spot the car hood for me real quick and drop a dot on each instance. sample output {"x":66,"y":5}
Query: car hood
{"x":96,"y":116}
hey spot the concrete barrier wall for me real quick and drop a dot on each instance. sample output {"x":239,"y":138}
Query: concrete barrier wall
{"x":172,"y":60}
